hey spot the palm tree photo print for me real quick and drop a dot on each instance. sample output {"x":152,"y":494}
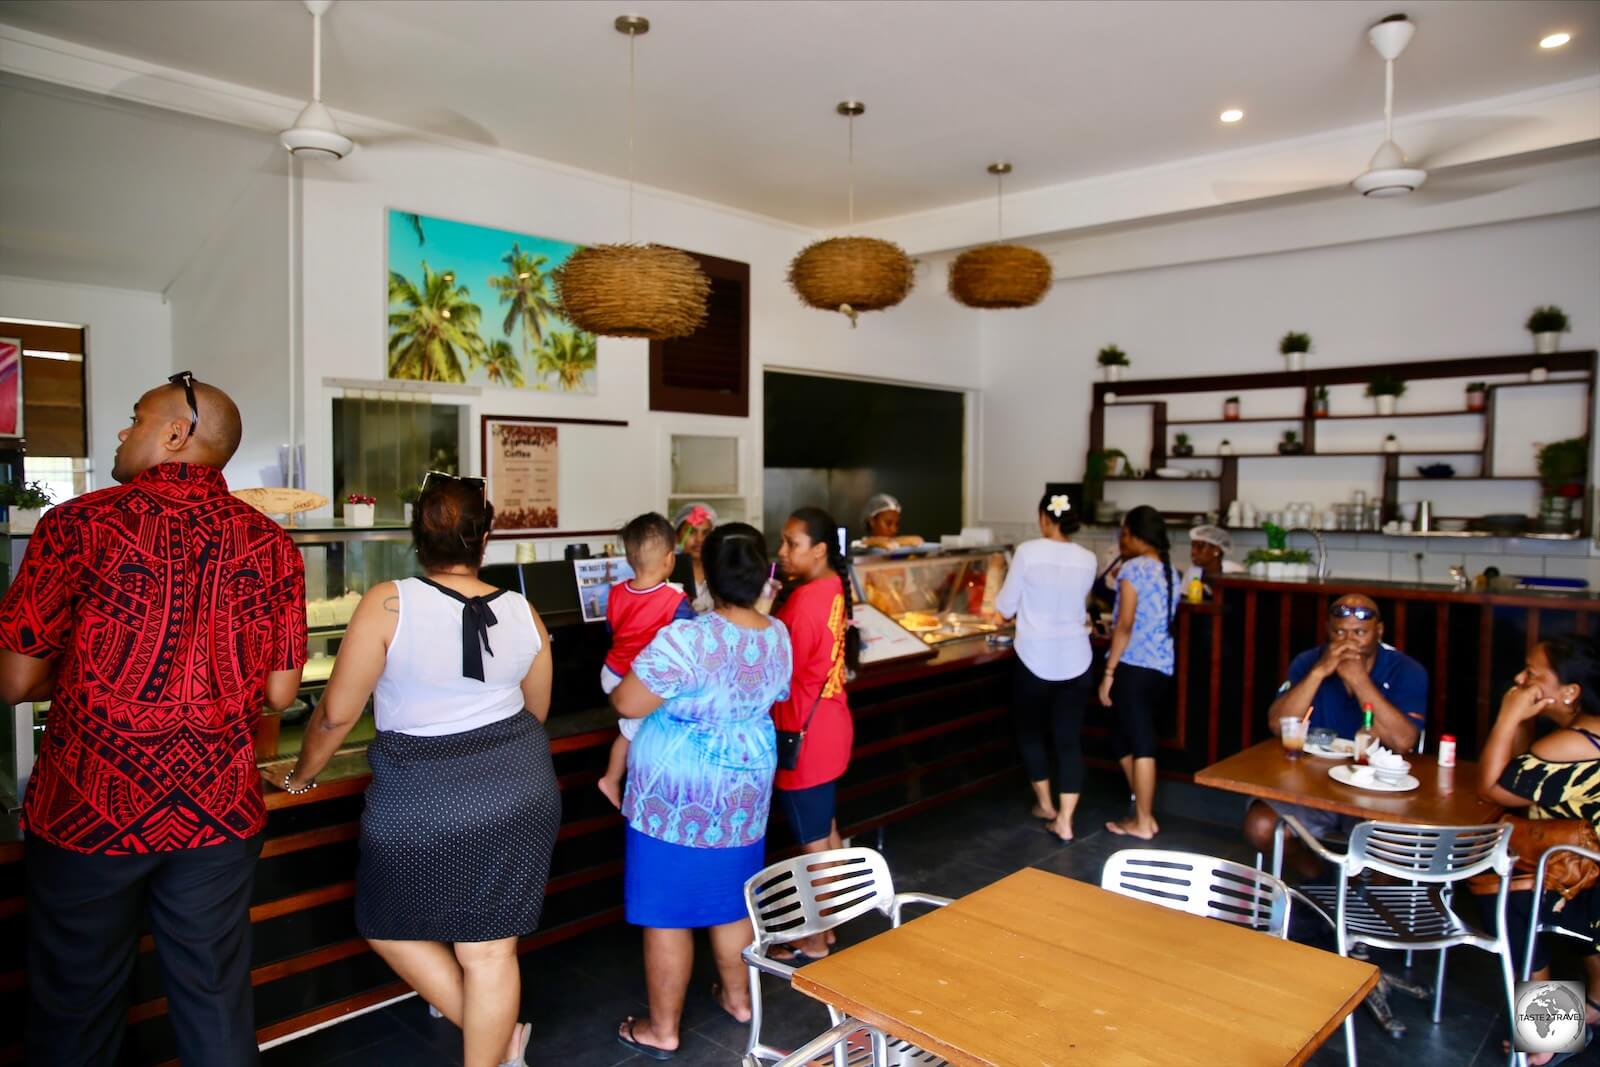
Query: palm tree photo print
{"x":475,"y":305}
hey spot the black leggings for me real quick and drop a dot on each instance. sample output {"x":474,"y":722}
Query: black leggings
{"x":1138,"y":695}
{"x":1038,"y":706}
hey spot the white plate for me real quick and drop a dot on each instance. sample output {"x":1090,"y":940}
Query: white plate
{"x":1174,"y":472}
{"x":1345,"y":774}
{"x":1343,"y":748}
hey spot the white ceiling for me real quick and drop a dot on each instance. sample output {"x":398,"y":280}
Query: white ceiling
{"x":736,"y":98}
{"x":99,"y":192}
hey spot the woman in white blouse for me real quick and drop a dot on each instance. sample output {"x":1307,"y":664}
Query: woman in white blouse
{"x":1047,"y":590}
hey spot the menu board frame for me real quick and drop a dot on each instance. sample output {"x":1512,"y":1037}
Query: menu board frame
{"x":508,"y":472}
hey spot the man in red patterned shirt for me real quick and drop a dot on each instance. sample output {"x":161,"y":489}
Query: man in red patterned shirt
{"x":157,"y":617}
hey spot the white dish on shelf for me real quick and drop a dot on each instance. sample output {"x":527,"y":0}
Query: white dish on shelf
{"x":1174,"y":472}
{"x":1364,"y":777}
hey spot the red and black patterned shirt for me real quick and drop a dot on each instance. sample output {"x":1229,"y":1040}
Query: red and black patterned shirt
{"x":167,"y":602}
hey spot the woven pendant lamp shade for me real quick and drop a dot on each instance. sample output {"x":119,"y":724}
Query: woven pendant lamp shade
{"x":1000,"y":276}
{"x":633,"y":291}
{"x":852,"y":274}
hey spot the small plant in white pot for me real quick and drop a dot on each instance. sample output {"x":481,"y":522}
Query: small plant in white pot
{"x":1294,"y":347}
{"x":1385,"y":392}
{"x":408,"y":500}
{"x":1547,"y":324}
{"x":24,"y":503}
{"x":1112,"y":359}
{"x":1319,"y":403}
{"x":360,"y":510}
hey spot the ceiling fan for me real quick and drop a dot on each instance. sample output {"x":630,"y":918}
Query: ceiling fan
{"x":314,"y":134}
{"x":1389,"y":173}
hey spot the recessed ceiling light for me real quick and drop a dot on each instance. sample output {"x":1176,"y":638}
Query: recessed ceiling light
{"x":1555,"y":40}
{"x":1233,"y":114}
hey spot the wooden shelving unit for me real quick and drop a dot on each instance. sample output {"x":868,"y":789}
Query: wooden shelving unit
{"x":1578,"y":370}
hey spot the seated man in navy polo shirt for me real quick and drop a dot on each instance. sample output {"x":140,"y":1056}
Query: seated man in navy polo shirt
{"x":1353,"y":668}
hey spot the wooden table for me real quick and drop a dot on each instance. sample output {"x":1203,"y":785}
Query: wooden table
{"x":1447,"y":796}
{"x":1038,"y":970}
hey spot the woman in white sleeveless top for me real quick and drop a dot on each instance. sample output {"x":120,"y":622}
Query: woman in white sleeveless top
{"x":463,"y":809}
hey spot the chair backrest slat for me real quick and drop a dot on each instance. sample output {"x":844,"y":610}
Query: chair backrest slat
{"x":1430,"y":853}
{"x":1201,"y":885}
{"x":817,"y":891}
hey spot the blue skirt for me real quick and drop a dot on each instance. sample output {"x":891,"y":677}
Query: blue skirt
{"x":674,"y":887}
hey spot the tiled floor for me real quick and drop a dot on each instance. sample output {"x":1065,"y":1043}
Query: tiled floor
{"x":576,"y":993}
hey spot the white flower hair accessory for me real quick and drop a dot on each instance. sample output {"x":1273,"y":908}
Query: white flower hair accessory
{"x":1058,"y":504}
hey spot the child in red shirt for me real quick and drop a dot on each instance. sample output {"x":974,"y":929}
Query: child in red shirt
{"x":636,"y":610}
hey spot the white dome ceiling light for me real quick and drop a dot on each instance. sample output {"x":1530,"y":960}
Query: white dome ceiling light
{"x":1390,"y":174}
{"x":314,"y":134}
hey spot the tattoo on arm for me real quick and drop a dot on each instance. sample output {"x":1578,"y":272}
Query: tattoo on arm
{"x":391,"y":605}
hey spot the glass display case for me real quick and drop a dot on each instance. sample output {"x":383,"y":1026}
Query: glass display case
{"x":342,"y":563}
{"x":938,"y":595}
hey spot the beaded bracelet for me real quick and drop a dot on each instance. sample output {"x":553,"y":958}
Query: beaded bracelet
{"x":291,"y":790}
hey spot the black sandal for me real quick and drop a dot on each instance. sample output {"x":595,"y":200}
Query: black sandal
{"x":634,"y":1044}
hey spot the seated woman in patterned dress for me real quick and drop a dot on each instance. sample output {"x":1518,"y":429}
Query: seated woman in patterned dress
{"x":700,"y":784}
{"x":1554,"y":777}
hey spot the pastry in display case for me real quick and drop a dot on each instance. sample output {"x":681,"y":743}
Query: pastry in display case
{"x":940,"y":596}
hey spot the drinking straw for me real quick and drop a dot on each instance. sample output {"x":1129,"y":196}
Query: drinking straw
{"x":1307,"y":716}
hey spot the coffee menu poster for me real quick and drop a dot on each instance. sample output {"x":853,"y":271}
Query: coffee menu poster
{"x":521,"y":468}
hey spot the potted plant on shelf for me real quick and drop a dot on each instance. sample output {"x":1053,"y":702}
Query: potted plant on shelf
{"x":23,"y":504}
{"x":1477,"y":396}
{"x":408,"y":499}
{"x":1277,"y":561}
{"x":1319,"y":402}
{"x":1562,"y":466}
{"x":1112,"y":359}
{"x":1100,"y":466}
{"x":1547,"y":324}
{"x":1225,"y":448}
{"x":1391,"y":444}
{"x":1291,"y":445}
{"x":360,"y":510}
{"x":1230,"y":409}
{"x":1294,"y":347}
{"x":1181,"y":446}
{"x":1385,"y":391}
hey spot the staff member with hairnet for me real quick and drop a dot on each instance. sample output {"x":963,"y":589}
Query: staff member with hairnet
{"x":882,"y":518}
{"x":1208,"y":553}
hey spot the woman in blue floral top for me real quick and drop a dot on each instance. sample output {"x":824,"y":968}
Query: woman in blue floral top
{"x":700,"y":783}
{"x":1138,"y":678}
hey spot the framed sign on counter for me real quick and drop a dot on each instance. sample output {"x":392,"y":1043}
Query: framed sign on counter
{"x":521,"y":470}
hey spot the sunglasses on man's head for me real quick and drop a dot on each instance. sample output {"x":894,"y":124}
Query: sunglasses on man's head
{"x":1351,"y":611}
{"x":185,"y":378}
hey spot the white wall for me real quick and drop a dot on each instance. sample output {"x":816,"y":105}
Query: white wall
{"x":1439,"y":295}
{"x":927,"y":340}
{"x":230,"y":321}
{"x":129,"y":344}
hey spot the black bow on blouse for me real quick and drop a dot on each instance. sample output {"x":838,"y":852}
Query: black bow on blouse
{"x":476,"y":618}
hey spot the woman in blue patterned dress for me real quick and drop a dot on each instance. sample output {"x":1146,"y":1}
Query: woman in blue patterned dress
{"x":1138,"y":678}
{"x":700,"y":784}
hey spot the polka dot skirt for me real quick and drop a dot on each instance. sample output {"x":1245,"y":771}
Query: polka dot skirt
{"x":457,"y":834}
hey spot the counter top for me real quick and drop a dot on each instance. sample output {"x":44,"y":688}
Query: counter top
{"x":1527,"y":598}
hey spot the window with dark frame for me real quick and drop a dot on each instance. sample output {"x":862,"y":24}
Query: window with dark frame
{"x":708,"y":372}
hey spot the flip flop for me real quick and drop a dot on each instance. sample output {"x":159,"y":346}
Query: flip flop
{"x":797,"y":957}
{"x":525,"y":1030}
{"x":629,"y":1042}
{"x":1062,"y":841}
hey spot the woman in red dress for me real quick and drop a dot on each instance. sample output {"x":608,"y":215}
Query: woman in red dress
{"x":817,"y":614}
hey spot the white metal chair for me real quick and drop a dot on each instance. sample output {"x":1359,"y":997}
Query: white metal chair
{"x":810,"y":894}
{"x":1536,"y":926}
{"x":1432,"y":859}
{"x":1201,"y":885}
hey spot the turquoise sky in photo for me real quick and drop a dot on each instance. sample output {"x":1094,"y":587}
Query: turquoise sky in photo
{"x":474,"y":254}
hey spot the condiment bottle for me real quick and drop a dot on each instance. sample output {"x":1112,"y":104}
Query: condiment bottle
{"x":1196,"y":591}
{"x":1364,"y":735}
{"x":1447,"y":750}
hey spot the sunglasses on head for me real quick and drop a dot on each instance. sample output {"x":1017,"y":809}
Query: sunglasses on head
{"x":440,"y":477}
{"x":185,"y":378}
{"x":1351,"y":611}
